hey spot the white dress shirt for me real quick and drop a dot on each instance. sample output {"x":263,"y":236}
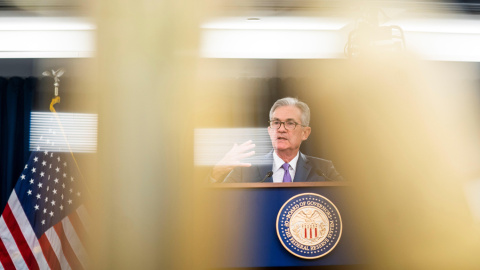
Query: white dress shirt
{"x":279,"y":172}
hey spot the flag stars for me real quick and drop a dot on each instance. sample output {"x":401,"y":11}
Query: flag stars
{"x":64,"y":175}
{"x":65,"y":164}
{"x":38,"y":196}
{"x":78,"y":194}
{"x":56,"y":180}
{"x":57,"y":169}
{"x":48,"y":188}
{"x":43,"y":222}
{"x":46,"y":152}
{"x":51,"y":213}
{"x":38,"y":148}
{"x":63,"y":185}
{"x":31,"y":181}
{"x":44,"y":163}
{"x":58,"y":158}
{"x":34,"y":170}
{"x":54,"y":191}
{"x":62,"y":196}
{"x":36,"y":207}
{"x":29,"y":192}
{"x":40,"y":185}
{"x":61,"y":207}
{"x":70,"y":201}
{"x":35,"y":159}
{"x":22,"y":176}
{"x":46,"y":199}
{"x":52,"y":202}
{"x":71,"y":190}
{"x":42,"y":174}
{"x":26,"y":166}
{"x":44,"y":210}
{"x":71,"y":178}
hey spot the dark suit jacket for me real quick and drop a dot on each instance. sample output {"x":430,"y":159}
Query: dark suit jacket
{"x":309,"y":169}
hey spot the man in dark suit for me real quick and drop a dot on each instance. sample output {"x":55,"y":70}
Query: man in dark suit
{"x":289,"y":127}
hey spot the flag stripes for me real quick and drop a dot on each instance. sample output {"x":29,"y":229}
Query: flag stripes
{"x":53,"y":238}
{"x":26,"y":230}
{"x":11,"y":246}
{"x":5,"y":260}
{"x":75,"y":242}
{"x":67,"y":248}
{"x":61,"y":247}
{"x":49,"y":253}
{"x":78,"y":226}
{"x":83,"y":217}
{"x":19,"y":239}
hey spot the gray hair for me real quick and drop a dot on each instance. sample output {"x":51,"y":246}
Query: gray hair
{"x":289,"y":101}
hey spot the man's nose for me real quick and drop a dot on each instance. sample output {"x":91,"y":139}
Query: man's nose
{"x":282,"y":127}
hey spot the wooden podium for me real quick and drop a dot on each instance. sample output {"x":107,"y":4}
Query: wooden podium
{"x":245,"y":233}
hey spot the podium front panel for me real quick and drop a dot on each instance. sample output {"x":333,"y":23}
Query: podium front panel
{"x":244,"y":226}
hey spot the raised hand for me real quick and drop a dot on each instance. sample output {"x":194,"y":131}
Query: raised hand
{"x":232,"y":159}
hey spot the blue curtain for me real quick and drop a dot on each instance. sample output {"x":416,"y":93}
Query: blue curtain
{"x":16,"y":102}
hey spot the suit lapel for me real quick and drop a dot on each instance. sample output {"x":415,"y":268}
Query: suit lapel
{"x":303,"y":169}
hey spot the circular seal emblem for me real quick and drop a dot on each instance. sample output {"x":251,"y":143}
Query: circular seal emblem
{"x":309,"y":226}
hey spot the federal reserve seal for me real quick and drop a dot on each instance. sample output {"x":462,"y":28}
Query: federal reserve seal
{"x":309,"y":226}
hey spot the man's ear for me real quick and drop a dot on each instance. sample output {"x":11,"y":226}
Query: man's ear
{"x":306,"y":132}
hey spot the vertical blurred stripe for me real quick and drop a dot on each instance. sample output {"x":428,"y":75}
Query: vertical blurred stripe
{"x":146,"y":57}
{"x":406,"y":134}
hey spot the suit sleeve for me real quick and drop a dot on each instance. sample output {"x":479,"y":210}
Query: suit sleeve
{"x":234,"y":176}
{"x":332,"y":173}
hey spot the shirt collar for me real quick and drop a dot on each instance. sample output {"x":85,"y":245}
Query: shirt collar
{"x":278,"y":162}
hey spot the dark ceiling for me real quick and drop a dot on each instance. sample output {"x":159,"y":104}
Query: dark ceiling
{"x":330,"y":6}
{"x":466,"y":6}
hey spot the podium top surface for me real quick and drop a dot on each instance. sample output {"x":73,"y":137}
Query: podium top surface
{"x":279,"y":185}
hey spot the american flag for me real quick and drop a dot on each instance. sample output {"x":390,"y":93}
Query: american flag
{"x":45,"y":223}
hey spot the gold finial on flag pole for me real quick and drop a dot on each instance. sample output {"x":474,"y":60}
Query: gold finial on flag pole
{"x":56,"y":76}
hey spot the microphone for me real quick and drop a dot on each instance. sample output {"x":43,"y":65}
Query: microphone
{"x":269,"y":174}
{"x":319,"y":172}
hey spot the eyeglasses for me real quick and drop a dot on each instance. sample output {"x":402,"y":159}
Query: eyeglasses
{"x":289,"y":125}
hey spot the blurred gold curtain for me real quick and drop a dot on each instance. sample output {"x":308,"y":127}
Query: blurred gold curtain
{"x":146,"y":58}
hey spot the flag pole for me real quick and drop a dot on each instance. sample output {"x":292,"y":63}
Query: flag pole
{"x":56,"y":76}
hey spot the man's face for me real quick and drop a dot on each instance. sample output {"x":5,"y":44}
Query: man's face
{"x":284,"y":140}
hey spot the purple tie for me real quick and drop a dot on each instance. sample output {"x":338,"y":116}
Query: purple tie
{"x":286,"y":177}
